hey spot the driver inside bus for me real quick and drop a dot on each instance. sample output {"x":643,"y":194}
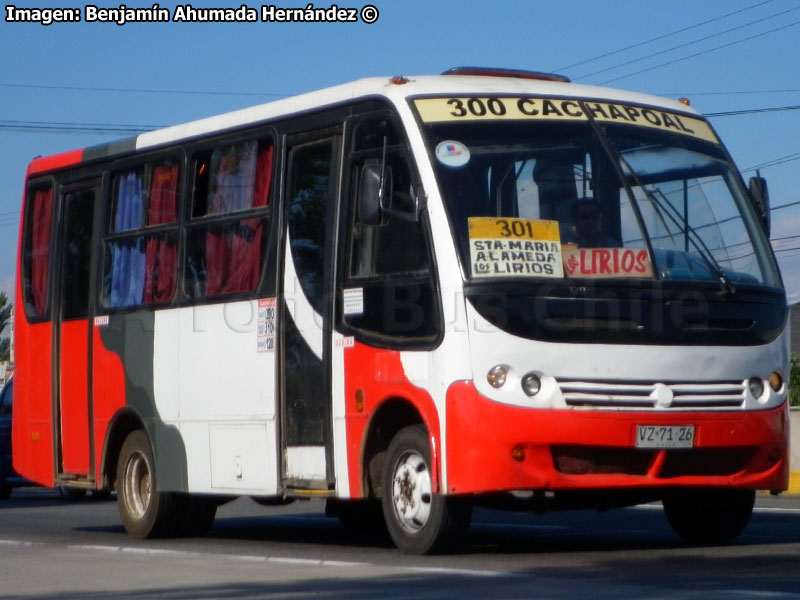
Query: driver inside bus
{"x":587,"y":230}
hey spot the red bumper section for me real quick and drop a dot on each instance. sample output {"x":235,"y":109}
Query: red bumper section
{"x":494,"y":447}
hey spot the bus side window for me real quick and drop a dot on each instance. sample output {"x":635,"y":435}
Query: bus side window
{"x":142,"y":241}
{"x":36,"y":257}
{"x":229,"y":218}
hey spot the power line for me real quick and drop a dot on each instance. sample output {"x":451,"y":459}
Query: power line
{"x":661,"y":37}
{"x":773,"y":163}
{"x":787,"y":91}
{"x":66,"y":127}
{"x":776,"y":161}
{"x":139,"y":90}
{"x":696,"y":54}
{"x":750,"y":111}
{"x":684,"y":45}
{"x":785,"y":205}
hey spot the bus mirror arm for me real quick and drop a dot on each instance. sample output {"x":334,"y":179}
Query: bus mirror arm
{"x":759,"y":193}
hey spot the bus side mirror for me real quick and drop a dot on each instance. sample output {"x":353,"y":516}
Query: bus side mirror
{"x":374,"y":193}
{"x":760,"y":195}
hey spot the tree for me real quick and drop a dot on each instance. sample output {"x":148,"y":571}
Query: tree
{"x":5,"y":317}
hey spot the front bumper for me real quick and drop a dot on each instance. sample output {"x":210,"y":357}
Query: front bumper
{"x":495,"y":447}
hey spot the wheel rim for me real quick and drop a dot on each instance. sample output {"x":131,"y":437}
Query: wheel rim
{"x":412,"y":491}
{"x":136,"y":485}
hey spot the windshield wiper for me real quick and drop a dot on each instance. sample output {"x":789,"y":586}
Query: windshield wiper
{"x":691,"y":233}
{"x":619,"y":162}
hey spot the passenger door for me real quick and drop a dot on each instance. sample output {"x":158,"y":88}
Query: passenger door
{"x":311,"y":204}
{"x":71,"y":325}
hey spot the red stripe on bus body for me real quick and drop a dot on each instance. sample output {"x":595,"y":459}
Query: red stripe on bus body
{"x":33,"y":435}
{"x":377,"y":377}
{"x":56,"y":161}
{"x":74,"y":388}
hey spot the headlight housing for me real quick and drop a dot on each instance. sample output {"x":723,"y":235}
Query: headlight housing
{"x":497,"y":376}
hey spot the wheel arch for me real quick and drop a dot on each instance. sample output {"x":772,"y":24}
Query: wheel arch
{"x":120,"y":427}
{"x":393,"y":414}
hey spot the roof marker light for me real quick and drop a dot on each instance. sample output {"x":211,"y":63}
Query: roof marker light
{"x":684,"y":101}
{"x":514,"y":73}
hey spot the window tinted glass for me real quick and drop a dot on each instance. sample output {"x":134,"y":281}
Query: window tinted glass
{"x":36,"y":257}
{"x":141,"y":261}
{"x":227,"y":235}
{"x":77,"y":253}
{"x":308,"y":202}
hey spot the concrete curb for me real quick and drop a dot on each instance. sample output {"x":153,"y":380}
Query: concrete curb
{"x":794,"y":482}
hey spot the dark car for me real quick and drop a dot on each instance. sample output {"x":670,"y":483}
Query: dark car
{"x":8,"y":478}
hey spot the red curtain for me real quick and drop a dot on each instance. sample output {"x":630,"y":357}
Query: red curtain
{"x":161,"y":254}
{"x":41,"y":223}
{"x":233,"y":250}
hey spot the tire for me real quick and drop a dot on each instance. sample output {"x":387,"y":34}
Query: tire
{"x":145,"y":512}
{"x":418,"y":520}
{"x":709,"y":516}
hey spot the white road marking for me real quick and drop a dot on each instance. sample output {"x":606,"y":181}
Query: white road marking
{"x":305,"y":562}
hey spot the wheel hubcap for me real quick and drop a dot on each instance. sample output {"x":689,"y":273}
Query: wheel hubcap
{"x":412,"y":491}
{"x":137,"y":485}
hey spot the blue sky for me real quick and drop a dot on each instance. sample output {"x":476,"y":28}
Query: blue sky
{"x":725,"y":55}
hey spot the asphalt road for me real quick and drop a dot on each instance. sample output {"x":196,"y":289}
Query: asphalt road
{"x":53,"y":549}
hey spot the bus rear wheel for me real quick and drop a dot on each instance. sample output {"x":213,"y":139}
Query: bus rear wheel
{"x":145,"y":512}
{"x":419,"y":520}
{"x":709,"y":516}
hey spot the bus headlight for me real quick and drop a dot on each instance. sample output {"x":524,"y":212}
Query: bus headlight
{"x":756,"y":387}
{"x":776,"y":381}
{"x":531,"y":384}
{"x":497,"y":376}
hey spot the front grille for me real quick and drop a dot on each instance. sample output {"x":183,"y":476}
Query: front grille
{"x":655,"y":395}
{"x":602,"y":460}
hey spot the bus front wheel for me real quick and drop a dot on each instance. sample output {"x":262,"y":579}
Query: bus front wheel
{"x":419,"y":520}
{"x":709,"y":516}
{"x":145,"y":511}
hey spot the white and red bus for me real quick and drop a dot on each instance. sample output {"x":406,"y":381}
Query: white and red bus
{"x":414,"y":294}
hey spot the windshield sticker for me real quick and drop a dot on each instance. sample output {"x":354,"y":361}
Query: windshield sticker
{"x":514,"y":248}
{"x":452,"y":154}
{"x":353,"y":301}
{"x":600,"y":263}
{"x":433,"y":110}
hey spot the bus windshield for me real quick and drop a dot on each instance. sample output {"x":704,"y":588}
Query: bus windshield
{"x":584,"y":198}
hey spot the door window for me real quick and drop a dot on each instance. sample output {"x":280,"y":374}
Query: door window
{"x":77,"y":253}
{"x":389,"y":262}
